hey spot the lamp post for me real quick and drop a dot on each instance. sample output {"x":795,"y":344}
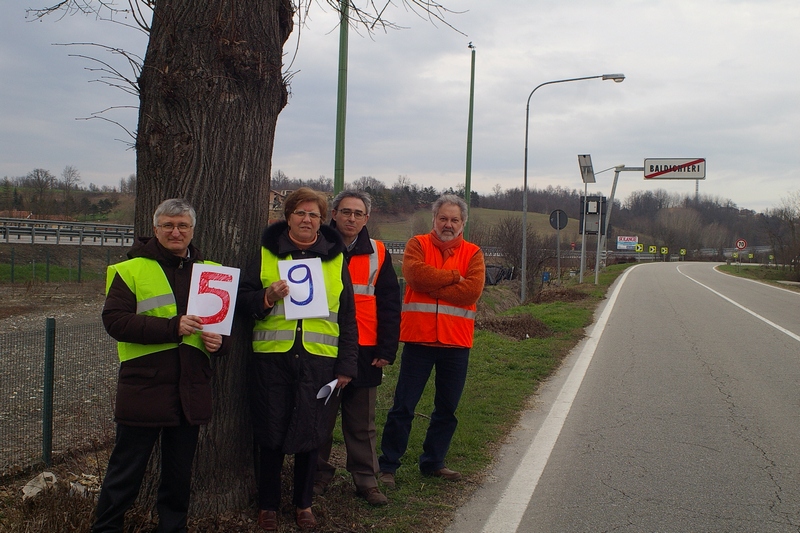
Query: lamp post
{"x":617,"y":79}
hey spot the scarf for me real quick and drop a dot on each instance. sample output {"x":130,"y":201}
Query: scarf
{"x":446,"y":247}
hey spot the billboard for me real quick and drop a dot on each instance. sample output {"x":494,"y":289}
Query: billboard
{"x":627,"y":243}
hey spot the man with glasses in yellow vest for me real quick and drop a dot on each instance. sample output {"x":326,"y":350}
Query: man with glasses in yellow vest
{"x":444,"y":277}
{"x":164,"y":384}
{"x":377,"y":298}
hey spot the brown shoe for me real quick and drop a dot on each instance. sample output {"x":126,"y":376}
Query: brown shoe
{"x":387,"y":478}
{"x":445,"y":473}
{"x":305,"y":519}
{"x":268,"y":520}
{"x":374,"y":496}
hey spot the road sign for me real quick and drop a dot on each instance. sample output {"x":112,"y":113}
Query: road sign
{"x":675,"y":169}
{"x":652,"y":249}
{"x":683,"y":251}
{"x":640,"y":247}
{"x":741,"y":244}
{"x":558,"y":219}
{"x":664,"y":250}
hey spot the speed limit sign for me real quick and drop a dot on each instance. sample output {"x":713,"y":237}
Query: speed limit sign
{"x":741,"y":244}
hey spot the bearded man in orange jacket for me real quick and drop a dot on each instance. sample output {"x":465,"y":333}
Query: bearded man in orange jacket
{"x":444,"y":277}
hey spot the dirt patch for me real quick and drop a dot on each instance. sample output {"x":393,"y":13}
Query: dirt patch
{"x":519,"y":327}
{"x":25,"y":306}
{"x":558,"y":294}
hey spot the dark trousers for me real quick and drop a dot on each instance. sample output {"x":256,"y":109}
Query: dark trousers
{"x":269,"y":478}
{"x":416,"y":365}
{"x":360,"y":436}
{"x":126,"y":469}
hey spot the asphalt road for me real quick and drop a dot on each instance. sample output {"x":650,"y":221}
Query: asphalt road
{"x":679,"y":412}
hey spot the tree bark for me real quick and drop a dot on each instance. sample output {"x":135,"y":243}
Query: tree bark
{"x":211,"y":89}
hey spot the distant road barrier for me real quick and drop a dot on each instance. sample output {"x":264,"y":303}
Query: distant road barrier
{"x":16,"y":230}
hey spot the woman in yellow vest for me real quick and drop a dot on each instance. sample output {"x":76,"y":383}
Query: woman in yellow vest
{"x":293,"y":359}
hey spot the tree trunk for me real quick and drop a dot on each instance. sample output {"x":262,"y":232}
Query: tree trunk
{"x":211,"y":90}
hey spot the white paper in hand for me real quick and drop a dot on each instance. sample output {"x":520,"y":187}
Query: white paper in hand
{"x":327,"y":390}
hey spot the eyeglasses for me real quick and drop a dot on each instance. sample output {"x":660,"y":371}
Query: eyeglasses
{"x":170,"y":227}
{"x":303,"y":214}
{"x":347,"y":213}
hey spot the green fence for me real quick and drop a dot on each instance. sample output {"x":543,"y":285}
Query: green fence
{"x":80,"y":364}
{"x":22,"y":263}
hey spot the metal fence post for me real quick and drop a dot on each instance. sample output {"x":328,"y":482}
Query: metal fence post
{"x":47,"y":403}
{"x":12,"y":265}
{"x":80,"y":248}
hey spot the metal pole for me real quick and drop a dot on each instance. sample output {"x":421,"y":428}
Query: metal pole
{"x":468,"y":187}
{"x":617,"y":78}
{"x":558,"y":245}
{"x":599,"y":236}
{"x":341,"y":100}
{"x":583,"y":233}
{"x":47,"y":397}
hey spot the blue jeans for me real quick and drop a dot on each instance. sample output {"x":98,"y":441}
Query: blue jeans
{"x":415,"y":368}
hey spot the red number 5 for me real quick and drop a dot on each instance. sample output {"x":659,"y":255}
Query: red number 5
{"x":205,"y":279}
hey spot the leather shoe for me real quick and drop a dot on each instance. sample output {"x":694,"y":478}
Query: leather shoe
{"x":268,"y":520}
{"x":445,"y":473}
{"x":374,"y":496}
{"x":387,"y":478}
{"x":305,"y":519}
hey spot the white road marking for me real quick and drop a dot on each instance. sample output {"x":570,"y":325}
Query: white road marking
{"x":508,"y":513}
{"x":745,"y":309}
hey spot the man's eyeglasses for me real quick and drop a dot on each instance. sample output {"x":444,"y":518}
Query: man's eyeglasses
{"x":347,"y":213}
{"x":170,"y":227}
{"x":303,"y":214}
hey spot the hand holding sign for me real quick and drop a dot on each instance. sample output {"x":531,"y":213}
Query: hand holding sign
{"x":307,"y":295}
{"x":212,"y":296}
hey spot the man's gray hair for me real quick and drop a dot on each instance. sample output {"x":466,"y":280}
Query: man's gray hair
{"x":172,"y":208}
{"x":450,"y":199}
{"x":350,"y":193}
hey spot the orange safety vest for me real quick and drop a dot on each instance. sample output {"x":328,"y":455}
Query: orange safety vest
{"x":364,"y":270}
{"x":429,"y":320}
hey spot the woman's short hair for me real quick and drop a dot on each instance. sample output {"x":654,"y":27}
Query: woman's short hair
{"x":305,"y":194}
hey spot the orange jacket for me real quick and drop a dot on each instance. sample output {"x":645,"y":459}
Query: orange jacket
{"x":439,"y":307}
{"x":364,"y":274}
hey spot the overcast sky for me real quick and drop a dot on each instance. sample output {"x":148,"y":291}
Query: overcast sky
{"x":713,"y":79}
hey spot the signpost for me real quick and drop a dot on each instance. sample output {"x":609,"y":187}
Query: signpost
{"x":558,"y":219}
{"x":675,"y":168}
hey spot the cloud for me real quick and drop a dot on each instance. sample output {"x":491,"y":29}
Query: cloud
{"x":712,"y":79}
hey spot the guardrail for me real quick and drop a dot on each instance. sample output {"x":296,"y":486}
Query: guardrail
{"x":15,"y":230}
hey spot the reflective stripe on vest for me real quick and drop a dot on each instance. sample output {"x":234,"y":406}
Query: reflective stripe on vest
{"x":147,"y":281}
{"x":364,"y":271}
{"x":429,"y":320}
{"x":441,"y":309}
{"x":276,"y":334}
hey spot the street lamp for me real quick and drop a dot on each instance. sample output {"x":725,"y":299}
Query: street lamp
{"x":617,"y":79}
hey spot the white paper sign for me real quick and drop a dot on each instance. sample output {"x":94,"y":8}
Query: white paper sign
{"x":307,"y":297}
{"x":212,"y":296}
{"x":327,"y":391}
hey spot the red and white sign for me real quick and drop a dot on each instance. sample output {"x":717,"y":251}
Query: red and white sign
{"x":627,"y":242}
{"x":675,"y":169}
{"x":212,"y":296}
{"x":741,"y":244}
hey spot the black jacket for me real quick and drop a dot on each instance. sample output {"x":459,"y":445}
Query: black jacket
{"x":285,"y":410}
{"x":162,"y":388}
{"x":389,"y":303}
